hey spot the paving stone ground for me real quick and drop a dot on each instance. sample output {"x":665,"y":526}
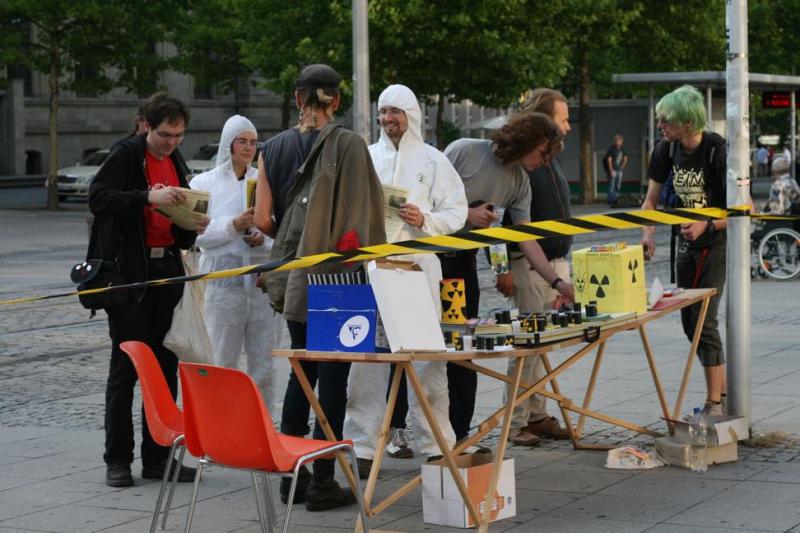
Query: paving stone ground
{"x":53,"y":364}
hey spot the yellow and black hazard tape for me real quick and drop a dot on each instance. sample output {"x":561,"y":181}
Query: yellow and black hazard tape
{"x":456,"y":242}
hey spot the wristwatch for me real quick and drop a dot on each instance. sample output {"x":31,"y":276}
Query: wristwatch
{"x":555,"y":283}
{"x":710,"y":227}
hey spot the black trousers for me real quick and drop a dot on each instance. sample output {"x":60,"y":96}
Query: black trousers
{"x":462,"y":383}
{"x":703,"y":268}
{"x":331,"y":382}
{"x":148,"y":321}
{"x":401,"y":405}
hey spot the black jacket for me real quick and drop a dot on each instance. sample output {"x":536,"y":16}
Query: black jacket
{"x":117,"y":198}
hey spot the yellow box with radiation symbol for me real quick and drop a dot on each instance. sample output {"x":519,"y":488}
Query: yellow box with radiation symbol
{"x":614,"y":278}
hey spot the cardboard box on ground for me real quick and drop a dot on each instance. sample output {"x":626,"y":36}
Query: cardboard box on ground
{"x":723,"y":435}
{"x":347,"y":317}
{"x":615,"y":279}
{"x":441,"y":502}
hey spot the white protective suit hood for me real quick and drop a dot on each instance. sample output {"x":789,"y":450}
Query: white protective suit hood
{"x":411,"y":143}
{"x":233,"y":127}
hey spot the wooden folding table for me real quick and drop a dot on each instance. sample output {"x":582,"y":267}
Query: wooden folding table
{"x":501,"y":416}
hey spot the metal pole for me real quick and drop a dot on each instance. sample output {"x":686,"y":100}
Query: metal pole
{"x":361,"y":70}
{"x":738,"y":182}
{"x":793,"y":148}
{"x":651,"y":134}
{"x":708,"y":107}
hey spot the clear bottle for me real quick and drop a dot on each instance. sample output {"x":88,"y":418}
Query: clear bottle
{"x":698,"y":431}
{"x":498,"y":253}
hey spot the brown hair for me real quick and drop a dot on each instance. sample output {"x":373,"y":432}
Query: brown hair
{"x":523,"y":133}
{"x":163,"y":107}
{"x":543,"y":101}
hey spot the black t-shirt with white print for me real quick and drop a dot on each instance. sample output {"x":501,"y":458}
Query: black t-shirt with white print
{"x":698,"y":177}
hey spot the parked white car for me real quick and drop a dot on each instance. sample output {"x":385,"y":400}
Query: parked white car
{"x":74,"y":181}
{"x":204,"y":159}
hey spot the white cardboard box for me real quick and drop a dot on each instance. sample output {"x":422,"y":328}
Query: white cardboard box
{"x":678,"y":453}
{"x":441,"y":502}
{"x":721,"y":430}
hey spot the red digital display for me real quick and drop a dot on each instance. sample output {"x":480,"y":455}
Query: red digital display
{"x":777,"y":100}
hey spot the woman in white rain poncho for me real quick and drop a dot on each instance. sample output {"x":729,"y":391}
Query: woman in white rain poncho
{"x":236,"y":311}
{"x":436,"y":205}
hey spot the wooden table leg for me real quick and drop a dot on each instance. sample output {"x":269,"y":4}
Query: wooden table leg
{"x":573,"y":434}
{"x":676,"y":411}
{"x":587,"y":399}
{"x":500,"y":451}
{"x":447,"y":453}
{"x":321,"y":419}
{"x":380,"y":446}
{"x":651,"y":361}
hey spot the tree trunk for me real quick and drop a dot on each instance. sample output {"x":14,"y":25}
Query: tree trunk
{"x":52,"y":166}
{"x":286,"y":110}
{"x":585,"y":121}
{"x":440,"y":105}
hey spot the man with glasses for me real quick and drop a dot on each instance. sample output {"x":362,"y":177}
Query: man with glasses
{"x":237,"y":314}
{"x":494,"y":175}
{"x":142,"y":172}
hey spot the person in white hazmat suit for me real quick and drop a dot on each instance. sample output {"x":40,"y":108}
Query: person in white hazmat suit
{"x":436,"y":204}
{"x":236,"y":312}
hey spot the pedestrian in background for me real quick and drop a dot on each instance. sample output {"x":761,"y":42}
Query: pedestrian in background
{"x":615,"y":161}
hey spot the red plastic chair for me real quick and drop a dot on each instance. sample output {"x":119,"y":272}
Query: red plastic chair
{"x":164,"y":418}
{"x":227,"y":420}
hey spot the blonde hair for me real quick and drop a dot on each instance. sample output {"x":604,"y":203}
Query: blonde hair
{"x":315,"y":100}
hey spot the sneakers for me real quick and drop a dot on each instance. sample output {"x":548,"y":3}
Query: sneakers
{"x":548,"y":428}
{"x":303,"y":479}
{"x":712,"y":409}
{"x":328,"y":495}
{"x":364,"y":467}
{"x":398,"y":446}
{"x":156,"y":471}
{"x":523,"y":437}
{"x":119,"y":475}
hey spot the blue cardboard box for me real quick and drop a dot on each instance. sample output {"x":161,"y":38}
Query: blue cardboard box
{"x":341,"y":318}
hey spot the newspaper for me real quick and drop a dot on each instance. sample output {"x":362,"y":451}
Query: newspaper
{"x":188,"y":213}
{"x":393,"y":198}
{"x":250,"y":193}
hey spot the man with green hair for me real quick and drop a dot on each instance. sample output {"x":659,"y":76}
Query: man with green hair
{"x":696,"y":162}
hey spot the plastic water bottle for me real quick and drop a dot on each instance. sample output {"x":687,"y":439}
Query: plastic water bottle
{"x":698,"y":431}
{"x":498,"y":253}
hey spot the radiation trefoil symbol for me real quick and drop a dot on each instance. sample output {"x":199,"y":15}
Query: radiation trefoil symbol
{"x":600,"y":293}
{"x":632,"y":266}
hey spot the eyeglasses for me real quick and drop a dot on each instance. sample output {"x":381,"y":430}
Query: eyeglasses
{"x":245,"y":142}
{"x":167,"y":136}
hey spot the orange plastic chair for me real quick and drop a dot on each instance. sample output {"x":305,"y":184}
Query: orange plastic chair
{"x":164,"y":418}
{"x":227,"y":420}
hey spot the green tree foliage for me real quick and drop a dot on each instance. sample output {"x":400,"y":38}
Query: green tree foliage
{"x":78,"y":44}
{"x":488,"y":52}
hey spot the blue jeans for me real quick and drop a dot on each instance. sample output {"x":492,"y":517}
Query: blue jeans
{"x":614,"y":183}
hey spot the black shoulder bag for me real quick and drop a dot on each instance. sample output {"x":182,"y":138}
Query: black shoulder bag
{"x":100,"y":272}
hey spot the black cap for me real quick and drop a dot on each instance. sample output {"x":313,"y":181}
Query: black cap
{"x":318,"y":76}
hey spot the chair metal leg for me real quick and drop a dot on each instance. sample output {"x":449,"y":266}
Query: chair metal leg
{"x":357,"y":488}
{"x":270,"y":507}
{"x":175,"y":474}
{"x":259,"y":503}
{"x":162,"y":489}
{"x":194,"y":496}
{"x":290,"y":501}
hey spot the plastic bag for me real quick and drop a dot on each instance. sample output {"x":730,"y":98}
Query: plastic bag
{"x":188,"y":336}
{"x":630,"y":458}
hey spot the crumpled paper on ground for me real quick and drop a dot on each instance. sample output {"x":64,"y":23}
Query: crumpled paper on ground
{"x":630,"y":458}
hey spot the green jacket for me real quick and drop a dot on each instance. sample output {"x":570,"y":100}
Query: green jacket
{"x":335,"y":191}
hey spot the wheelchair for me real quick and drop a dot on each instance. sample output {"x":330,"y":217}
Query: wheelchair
{"x":775,"y":249}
